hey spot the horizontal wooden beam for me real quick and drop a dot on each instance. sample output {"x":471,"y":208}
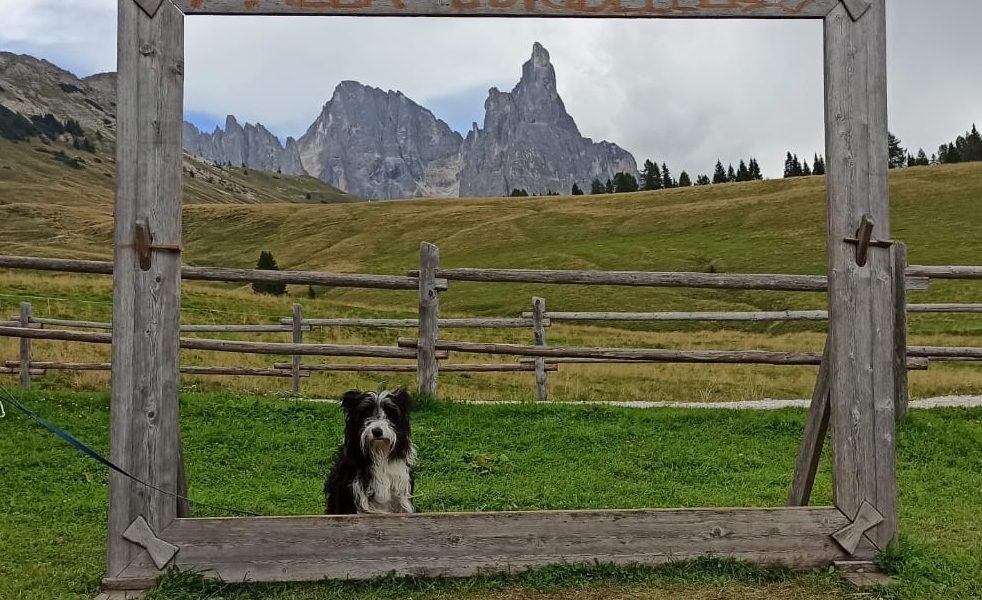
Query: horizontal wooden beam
{"x":222,"y":345}
{"x":351,"y":280}
{"x":456,"y":368}
{"x":711,"y":9}
{"x":913,"y":364}
{"x":465,"y":544}
{"x":13,"y":371}
{"x":782,"y":315}
{"x":211,"y":328}
{"x":940,"y":352}
{"x":945,"y":272}
{"x":477,"y":323}
{"x":730,"y":281}
{"x":945,"y":308}
{"x":70,"y":366}
{"x":646,"y":354}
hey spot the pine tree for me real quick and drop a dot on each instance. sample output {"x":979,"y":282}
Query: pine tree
{"x":596,"y":187}
{"x":897,"y":152}
{"x":666,"y":177}
{"x":651,"y":176}
{"x":730,"y":175}
{"x":702,"y":180}
{"x":921,"y":160}
{"x":754,"y":168}
{"x":788,"y":166}
{"x":805,"y":171}
{"x":625,"y":182}
{"x":819,"y":168}
{"x":719,"y":174}
{"x":266,"y":262}
{"x":796,"y":170}
{"x":576,"y":191}
{"x":684,"y":180}
{"x":743,"y":173}
{"x":609,"y":187}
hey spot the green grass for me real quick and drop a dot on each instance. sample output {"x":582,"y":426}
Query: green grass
{"x":269,"y":456}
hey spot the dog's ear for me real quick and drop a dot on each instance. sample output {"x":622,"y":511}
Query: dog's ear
{"x":351,"y":399}
{"x":402,"y":399}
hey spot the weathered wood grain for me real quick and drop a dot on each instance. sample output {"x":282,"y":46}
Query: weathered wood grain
{"x":539,"y":335}
{"x":17,"y":371}
{"x":475,"y":323}
{"x":781,"y":315}
{"x":428,"y":369}
{"x":41,"y":366}
{"x":457,"y":368}
{"x":645,"y":354}
{"x":945,"y":272}
{"x":456,"y":544}
{"x":25,"y":346}
{"x":297,"y":339}
{"x":860,"y":298}
{"x":813,"y":439}
{"x":351,"y":280}
{"x":940,"y":352}
{"x":945,"y":308}
{"x":741,"y":9}
{"x":900,"y":367}
{"x":144,"y":424}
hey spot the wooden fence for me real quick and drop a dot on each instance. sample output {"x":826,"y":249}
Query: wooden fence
{"x":429,"y":350}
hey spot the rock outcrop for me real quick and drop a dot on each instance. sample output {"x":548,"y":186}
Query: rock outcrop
{"x":252,"y":146}
{"x":530,"y":142}
{"x":381,"y":145}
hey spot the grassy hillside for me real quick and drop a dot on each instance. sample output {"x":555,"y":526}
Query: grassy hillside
{"x":771,"y":226}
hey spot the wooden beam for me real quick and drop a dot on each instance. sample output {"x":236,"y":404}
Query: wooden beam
{"x":900,"y":367}
{"x":861,"y":298}
{"x":781,"y":315}
{"x":428,"y":368}
{"x":297,"y":339}
{"x":643,"y":354}
{"x":457,"y":368}
{"x":710,"y":9}
{"x":945,"y":272}
{"x":144,"y":422}
{"x":539,"y":336}
{"x":813,"y":439}
{"x":474,"y":323}
{"x":25,"y":346}
{"x":945,"y":308}
{"x":219,"y":274}
{"x":467,"y":544}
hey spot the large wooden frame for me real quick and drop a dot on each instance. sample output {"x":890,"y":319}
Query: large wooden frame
{"x":145,"y":531}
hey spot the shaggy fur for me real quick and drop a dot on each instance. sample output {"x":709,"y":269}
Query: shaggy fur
{"x":373,"y":468}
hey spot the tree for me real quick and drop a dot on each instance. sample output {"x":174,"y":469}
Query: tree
{"x":819,"y":165}
{"x":702,"y":180}
{"x":576,"y":190}
{"x":719,"y":175}
{"x":788,"y":166}
{"x":684,"y":180}
{"x":625,"y":182}
{"x":796,"y":170}
{"x":897,"y":152}
{"x":266,"y":262}
{"x":730,"y":175}
{"x":805,"y":170}
{"x":754,"y":168}
{"x":596,"y":187}
{"x":666,"y":177}
{"x":609,"y":186}
{"x":921,"y":160}
{"x":743,"y":173}
{"x":651,"y":176}
{"x":518,"y":193}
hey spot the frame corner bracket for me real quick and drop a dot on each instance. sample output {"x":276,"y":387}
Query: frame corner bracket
{"x":160,"y":551}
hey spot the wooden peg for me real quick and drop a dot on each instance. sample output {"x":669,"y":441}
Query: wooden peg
{"x":849,"y":536}
{"x":150,"y":7}
{"x":856,"y":8}
{"x":160,"y":552}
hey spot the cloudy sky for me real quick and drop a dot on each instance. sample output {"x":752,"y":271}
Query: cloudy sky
{"x":679,"y":91}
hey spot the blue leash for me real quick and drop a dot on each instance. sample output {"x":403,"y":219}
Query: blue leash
{"x":102,"y":459}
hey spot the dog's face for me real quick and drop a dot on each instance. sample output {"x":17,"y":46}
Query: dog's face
{"x":378,"y":422}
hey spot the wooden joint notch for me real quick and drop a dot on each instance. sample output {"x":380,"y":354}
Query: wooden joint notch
{"x":150,"y":7}
{"x":861,"y":573}
{"x":849,"y":536}
{"x":140,"y":533}
{"x":857,"y":8}
{"x":145,"y":246}
{"x":864,"y":239}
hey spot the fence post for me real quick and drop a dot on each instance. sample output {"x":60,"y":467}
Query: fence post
{"x":539,"y":331}
{"x":25,"y":346}
{"x":427,"y":369}
{"x":900,"y":372}
{"x":297,"y":339}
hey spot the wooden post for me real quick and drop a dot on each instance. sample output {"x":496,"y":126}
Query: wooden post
{"x":144,"y":427}
{"x":297,"y":339}
{"x":813,"y":439}
{"x":900,"y":372}
{"x":539,"y":332}
{"x":427,"y":371}
{"x":861,"y":298}
{"x":25,"y":346}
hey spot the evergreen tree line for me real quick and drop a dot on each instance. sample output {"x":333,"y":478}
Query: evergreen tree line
{"x":796,"y":168}
{"x":747,"y":171}
{"x":15,"y":126}
{"x":965,"y":148}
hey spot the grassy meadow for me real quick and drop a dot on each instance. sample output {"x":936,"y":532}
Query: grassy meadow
{"x":270,"y":456}
{"x":771,"y":226}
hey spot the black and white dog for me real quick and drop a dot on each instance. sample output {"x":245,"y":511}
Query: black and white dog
{"x":373,"y":468}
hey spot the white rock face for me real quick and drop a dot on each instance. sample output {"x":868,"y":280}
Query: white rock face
{"x":530,"y":142}
{"x":381,"y":145}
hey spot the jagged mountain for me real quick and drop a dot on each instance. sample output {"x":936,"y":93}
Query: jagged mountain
{"x":530,"y":142}
{"x":381,"y":145}
{"x":252,"y":146}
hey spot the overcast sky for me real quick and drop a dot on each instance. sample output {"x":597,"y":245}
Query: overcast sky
{"x":680,"y":91}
